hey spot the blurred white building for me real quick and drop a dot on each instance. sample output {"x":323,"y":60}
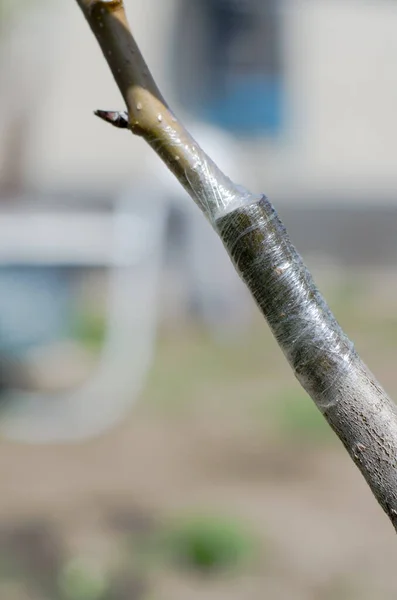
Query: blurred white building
{"x":342,"y":132}
{"x":340,"y":79}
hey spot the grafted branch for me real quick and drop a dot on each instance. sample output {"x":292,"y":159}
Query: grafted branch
{"x":320,"y":354}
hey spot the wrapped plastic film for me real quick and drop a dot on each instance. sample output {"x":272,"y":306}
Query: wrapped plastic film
{"x":313,"y":342}
{"x":323,"y":358}
{"x":257,"y":242}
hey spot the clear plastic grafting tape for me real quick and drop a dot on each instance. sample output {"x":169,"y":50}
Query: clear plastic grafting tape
{"x":260,"y":249}
{"x":313,"y":342}
{"x":134,"y":256}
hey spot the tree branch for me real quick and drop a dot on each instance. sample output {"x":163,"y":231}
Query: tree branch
{"x":150,"y":116}
{"x":322,"y":357}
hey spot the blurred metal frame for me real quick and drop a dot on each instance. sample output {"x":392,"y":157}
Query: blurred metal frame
{"x":135,"y":259}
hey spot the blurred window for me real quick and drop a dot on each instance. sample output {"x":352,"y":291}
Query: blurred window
{"x":232,"y":73}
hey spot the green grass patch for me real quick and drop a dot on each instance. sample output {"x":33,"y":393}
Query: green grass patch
{"x":207,"y":543}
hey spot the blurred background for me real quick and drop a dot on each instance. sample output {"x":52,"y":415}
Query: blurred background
{"x":154,"y":443}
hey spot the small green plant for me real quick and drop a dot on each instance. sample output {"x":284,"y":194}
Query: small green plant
{"x":207,"y":543}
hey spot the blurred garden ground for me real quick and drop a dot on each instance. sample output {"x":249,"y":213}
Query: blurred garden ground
{"x":223,"y":482}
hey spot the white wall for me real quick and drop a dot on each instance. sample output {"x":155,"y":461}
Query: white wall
{"x":342,"y":59}
{"x":52,"y":67}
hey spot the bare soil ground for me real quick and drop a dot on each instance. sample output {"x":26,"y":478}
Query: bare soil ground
{"x":208,"y":434}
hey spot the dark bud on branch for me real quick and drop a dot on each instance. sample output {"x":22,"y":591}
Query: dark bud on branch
{"x":117,"y":118}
